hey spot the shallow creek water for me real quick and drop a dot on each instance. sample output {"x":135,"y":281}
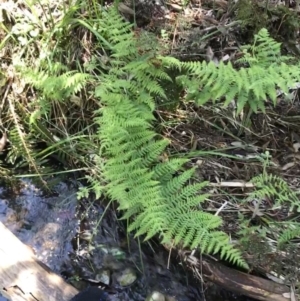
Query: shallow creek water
{"x":61,"y":232}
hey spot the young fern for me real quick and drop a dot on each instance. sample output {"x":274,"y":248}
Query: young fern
{"x":56,"y":82}
{"x":156,"y":196}
{"x":292,"y":231}
{"x":275,"y":188}
{"x":251,"y":85}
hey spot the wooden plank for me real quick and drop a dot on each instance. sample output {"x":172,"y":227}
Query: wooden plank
{"x":26,"y":278}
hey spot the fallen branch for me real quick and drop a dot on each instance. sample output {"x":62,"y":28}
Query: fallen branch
{"x":236,"y":281}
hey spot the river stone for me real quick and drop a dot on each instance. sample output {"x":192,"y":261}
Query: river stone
{"x":170,"y":298}
{"x":126,"y":277}
{"x":156,"y":296}
{"x":104,"y":277}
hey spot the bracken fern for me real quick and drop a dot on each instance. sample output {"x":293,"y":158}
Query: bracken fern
{"x":252,"y":85}
{"x":275,"y":188}
{"x":156,"y":196}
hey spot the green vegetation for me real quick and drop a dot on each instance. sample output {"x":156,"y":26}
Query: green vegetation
{"x":155,"y":199}
{"x":98,"y":115}
{"x":279,"y":20}
{"x":251,"y":86}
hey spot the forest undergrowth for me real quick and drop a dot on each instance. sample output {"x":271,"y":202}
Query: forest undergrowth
{"x":198,"y":149}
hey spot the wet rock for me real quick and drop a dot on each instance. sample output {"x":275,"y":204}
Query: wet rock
{"x":169,"y":298}
{"x":111,"y":263}
{"x":156,"y":296}
{"x":113,"y":251}
{"x":126,"y":277}
{"x":104,"y":277}
{"x":46,"y":223}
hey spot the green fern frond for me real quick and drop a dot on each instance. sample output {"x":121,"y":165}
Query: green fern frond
{"x":264,"y":52}
{"x":227,"y":250}
{"x":290,"y":233}
{"x":158,"y":197}
{"x":272,"y":186}
{"x":170,"y":62}
{"x":275,"y":188}
{"x":56,"y":86}
{"x":254,"y":85}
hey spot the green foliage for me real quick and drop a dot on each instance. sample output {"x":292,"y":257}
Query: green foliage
{"x":264,"y":51}
{"x":278,"y":18}
{"x":156,"y":195}
{"x":251,"y":14}
{"x":46,"y":116}
{"x":252,"y":85}
{"x":275,"y":188}
{"x":55,"y":81}
{"x":292,"y":230}
{"x":288,"y":20}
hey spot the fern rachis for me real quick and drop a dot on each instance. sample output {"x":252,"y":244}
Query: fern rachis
{"x":156,"y":197}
